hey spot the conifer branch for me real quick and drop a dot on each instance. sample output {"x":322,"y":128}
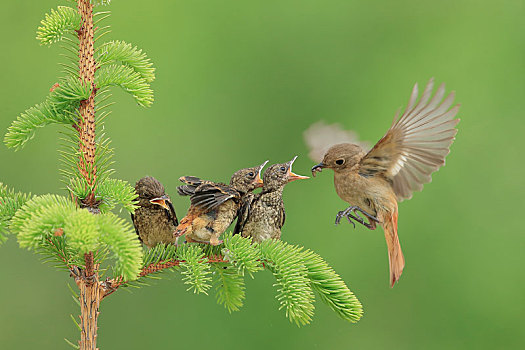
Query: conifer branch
{"x":194,"y":273}
{"x":39,"y":218}
{"x":244,"y":255}
{"x":298,"y":273}
{"x":115,"y":52}
{"x":121,"y":240}
{"x":60,"y":107}
{"x":56,"y":24}
{"x":23,"y":128}
{"x":113,"y":192}
{"x":129,"y":80}
{"x":10,"y":202}
{"x":295,"y":293}
{"x":229,"y":287}
{"x":331,"y":288}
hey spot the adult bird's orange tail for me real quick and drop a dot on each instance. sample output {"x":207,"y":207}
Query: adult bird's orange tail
{"x":396,"y":259}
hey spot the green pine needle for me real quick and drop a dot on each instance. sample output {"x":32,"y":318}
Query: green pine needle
{"x":39,"y":218}
{"x":122,"y":242}
{"x":125,"y":54}
{"x":57,"y":24}
{"x":113,"y":192}
{"x":70,"y":91}
{"x":59,"y":108}
{"x":100,"y":2}
{"x":294,"y":290}
{"x":24,"y":127}
{"x":82,"y":231}
{"x":159,"y":253}
{"x":10,"y":202}
{"x":331,"y":288}
{"x":229,"y":286}
{"x":56,"y":251}
{"x":129,"y":80}
{"x":242,"y":254}
{"x":74,"y":346}
{"x":194,"y":272}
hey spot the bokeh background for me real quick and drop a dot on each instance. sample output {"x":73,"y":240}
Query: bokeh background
{"x":237,"y":83}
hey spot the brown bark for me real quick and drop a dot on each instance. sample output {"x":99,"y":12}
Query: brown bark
{"x":90,"y":296}
{"x":86,"y":124}
{"x":87,"y":280}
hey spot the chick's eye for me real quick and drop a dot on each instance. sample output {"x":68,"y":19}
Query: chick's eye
{"x":250,"y":174}
{"x":340,"y":161}
{"x":283,"y":168}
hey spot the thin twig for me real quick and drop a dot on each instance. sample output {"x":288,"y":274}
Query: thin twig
{"x":111,"y":285}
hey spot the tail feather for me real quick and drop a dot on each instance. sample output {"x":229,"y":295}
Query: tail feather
{"x":395,"y":255}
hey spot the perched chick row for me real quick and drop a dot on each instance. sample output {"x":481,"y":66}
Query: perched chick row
{"x":214,"y":206}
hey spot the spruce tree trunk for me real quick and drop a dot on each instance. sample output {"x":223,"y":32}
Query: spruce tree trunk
{"x":90,"y":289}
{"x":90,"y":296}
{"x":89,"y":304}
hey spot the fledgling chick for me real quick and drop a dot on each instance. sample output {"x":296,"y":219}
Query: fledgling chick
{"x":155,"y":219}
{"x":262,"y":216}
{"x":214,"y":206}
{"x":401,"y":162}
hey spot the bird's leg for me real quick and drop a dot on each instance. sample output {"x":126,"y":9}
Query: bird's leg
{"x":354,"y":209}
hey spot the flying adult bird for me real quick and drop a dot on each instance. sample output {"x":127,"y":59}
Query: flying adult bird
{"x":262,"y":215}
{"x":214,"y":206}
{"x":401,"y":162}
{"x":155,"y":219}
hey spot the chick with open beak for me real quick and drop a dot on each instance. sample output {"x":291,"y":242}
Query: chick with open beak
{"x":262,"y":216}
{"x":214,"y":206}
{"x":154,"y":219}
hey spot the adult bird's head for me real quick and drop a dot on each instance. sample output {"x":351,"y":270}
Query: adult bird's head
{"x":340,"y":158}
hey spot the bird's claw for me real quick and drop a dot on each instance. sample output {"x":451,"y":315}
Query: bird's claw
{"x":354,"y":209}
{"x":348,"y":216}
{"x":350,"y":220}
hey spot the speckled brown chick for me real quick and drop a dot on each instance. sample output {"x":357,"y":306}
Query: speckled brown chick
{"x":214,"y":206}
{"x":155,"y":219}
{"x":263,"y":217}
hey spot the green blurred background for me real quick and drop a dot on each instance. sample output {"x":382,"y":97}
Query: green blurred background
{"x":237,"y":83}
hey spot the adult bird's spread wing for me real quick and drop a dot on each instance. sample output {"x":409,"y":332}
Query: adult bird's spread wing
{"x":209,"y":196}
{"x":416,"y":144}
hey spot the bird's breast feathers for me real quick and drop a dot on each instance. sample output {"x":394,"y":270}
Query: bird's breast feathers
{"x":368,"y":193}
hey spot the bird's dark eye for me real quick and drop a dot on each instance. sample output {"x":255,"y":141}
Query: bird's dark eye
{"x":250,"y":174}
{"x":340,"y":161}
{"x":283,"y":168}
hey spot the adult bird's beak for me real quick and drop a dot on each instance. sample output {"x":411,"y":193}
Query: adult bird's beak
{"x":292,"y":176}
{"x":318,"y":168}
{"x":161,"y":201}
{"x":258,"y":179}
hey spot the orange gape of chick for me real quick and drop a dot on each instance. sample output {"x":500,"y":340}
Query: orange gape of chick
{"x":401,"y":162}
